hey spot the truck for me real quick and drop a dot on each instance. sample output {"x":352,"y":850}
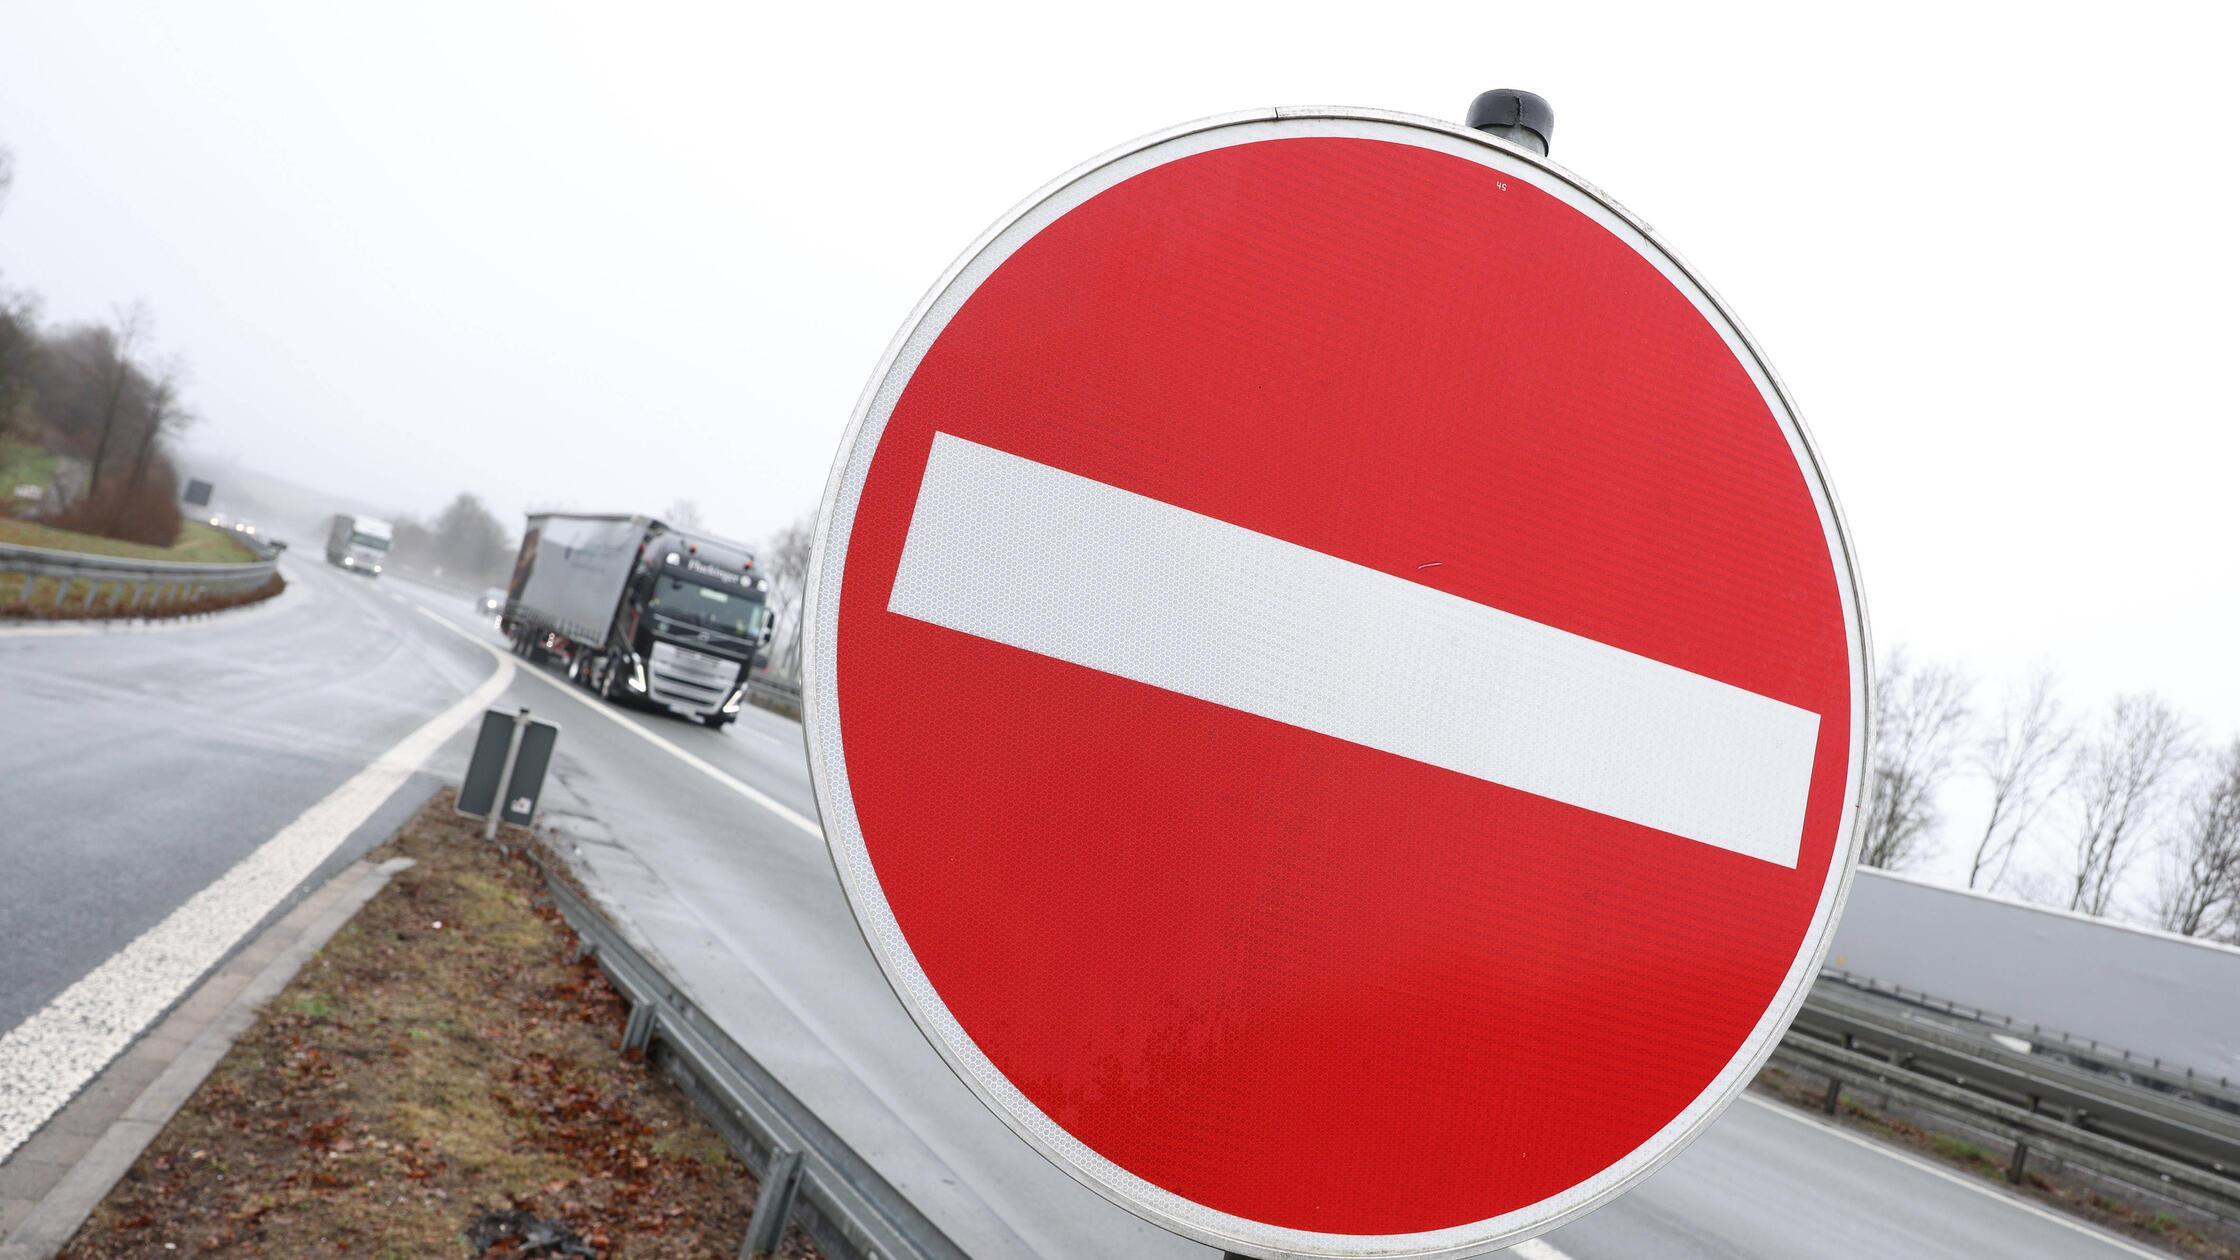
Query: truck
{"x":640,"y":611}
{"x":358,"y":543}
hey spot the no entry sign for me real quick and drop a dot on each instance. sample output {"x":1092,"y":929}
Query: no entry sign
{"x":1336,"y":686}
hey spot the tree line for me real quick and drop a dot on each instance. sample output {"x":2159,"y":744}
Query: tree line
{"x":464,"y":545}
{"x":95,"y":395}
{"x":2083,"y":797}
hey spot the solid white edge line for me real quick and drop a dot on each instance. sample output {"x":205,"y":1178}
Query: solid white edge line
{"x":60,"y":1048}
{"x":784,"y":812}
{"x":1990,"y":1192}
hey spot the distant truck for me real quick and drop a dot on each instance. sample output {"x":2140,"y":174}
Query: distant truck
{"x":640,"y":610}
{"x":358,"y":543}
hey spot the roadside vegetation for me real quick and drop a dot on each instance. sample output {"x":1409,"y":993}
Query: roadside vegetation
{"x":197,"y":543}
{"x":2128,"y":811}
{"x":442,"y":1079}
{"x":87,"y":417}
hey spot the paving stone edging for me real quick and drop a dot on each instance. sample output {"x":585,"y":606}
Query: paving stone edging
{"x":53,"y":1182}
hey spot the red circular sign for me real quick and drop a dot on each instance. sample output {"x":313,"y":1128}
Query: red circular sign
{"x":1336,"y":686}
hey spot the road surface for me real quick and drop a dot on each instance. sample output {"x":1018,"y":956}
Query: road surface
{"x":138,"y":769}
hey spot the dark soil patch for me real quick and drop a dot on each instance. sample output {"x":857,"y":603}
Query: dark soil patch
{"x":444,"y":1070}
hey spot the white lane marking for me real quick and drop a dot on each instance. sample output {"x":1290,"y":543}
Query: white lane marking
{"x":50,"y":1056}
{"x":1536,"y":1249}
{"x":1040,"y":559}
{"x":1989,"y":1192}
{"x":784,"y":812}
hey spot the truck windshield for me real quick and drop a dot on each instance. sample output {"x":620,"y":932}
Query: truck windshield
{"x":368,"y":540}
{"x":730,"y":612}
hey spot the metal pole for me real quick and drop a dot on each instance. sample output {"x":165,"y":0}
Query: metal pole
{"x":767,"y":1227}
{"x":505,"y":775}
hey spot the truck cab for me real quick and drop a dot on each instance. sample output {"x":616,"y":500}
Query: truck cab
{"x":358,"y":543}
{"x":701,"y":613}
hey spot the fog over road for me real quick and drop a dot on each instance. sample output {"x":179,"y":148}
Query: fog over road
{"x":141,"y":767}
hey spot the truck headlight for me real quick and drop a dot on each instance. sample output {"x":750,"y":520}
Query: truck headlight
{"x":637,"y":674}
{"x":349,"y":562}
{"x":738,"y":698}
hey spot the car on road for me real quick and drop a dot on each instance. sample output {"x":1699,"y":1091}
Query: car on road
{"x":492,"y":602}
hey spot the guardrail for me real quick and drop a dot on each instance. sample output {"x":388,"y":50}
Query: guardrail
{"x":2181,"y":1147}
{"x":131,"y":586}
{"x":2095,"y":1055}
{"x":774,"y":693}
{"x":810,"y":1177}
{"x":2172,"y":1124}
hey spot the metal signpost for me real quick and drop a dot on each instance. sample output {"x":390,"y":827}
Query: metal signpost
{"x":1337,"y":688}
{"x":513,"y":749}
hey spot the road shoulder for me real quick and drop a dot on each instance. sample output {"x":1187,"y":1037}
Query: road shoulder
{"x":54,"y":1181}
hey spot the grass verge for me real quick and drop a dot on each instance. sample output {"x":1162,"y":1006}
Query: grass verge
{"x":442,"y":1079}
{"x":199,"y":543}
{"x":2059,"y":1190}
{"x":22,"y":464}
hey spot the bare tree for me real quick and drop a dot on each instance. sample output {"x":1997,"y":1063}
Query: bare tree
{"x":2200,"y":885}
{"x":1920,"y":716}
{"x":789,"y":580}
{"x":20,"y":353}
{"x":2119,"y":778}
{"x":2019,"y":756}
{"x":163,"y":415}
{"x":131,"y":325}
{"x":684,"y":514}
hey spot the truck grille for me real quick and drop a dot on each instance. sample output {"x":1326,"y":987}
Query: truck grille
{"x":684,"y":679}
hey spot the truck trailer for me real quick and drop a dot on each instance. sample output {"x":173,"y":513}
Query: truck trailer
{"x":358,"y":543}
{"x":640,"y":610}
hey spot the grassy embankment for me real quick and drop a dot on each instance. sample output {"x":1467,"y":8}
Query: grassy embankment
{"x":444,"y":1071}
{"x":22,"y":464}
{"x":199,"y":543}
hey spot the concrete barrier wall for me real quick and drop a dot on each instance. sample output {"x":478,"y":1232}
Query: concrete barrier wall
{"x":2149,"y":992}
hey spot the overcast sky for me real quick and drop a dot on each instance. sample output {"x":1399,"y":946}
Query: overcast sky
{"x":605,"y":258}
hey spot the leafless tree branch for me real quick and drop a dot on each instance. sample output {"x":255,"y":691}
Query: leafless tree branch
{"x":2020,"y":757}
{"x":2119,"y":777}
{"x":2200,"y":884}
{"x":1920,"y":716}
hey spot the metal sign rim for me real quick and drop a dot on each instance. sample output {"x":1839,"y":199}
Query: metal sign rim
{"x":821,"y":732}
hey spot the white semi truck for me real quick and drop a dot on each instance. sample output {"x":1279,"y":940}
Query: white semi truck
{"x":358,"y":543}
{"x":640,"y":610}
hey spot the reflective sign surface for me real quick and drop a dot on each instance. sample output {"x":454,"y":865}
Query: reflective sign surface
{"x":1336,"y":687}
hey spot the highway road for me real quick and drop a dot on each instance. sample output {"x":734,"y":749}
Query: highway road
{"x":142,"y":774}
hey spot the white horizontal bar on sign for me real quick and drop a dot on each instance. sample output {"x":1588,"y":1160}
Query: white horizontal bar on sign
{"x":1031,"y":556}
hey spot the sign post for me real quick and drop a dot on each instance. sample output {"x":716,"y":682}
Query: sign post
{"x":1336,"y":684}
